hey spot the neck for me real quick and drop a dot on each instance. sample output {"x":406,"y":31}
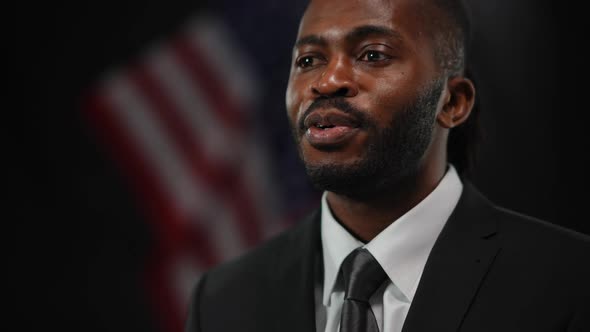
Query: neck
{"x":367,"y":217}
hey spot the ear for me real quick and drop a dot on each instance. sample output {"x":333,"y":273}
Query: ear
{"x":459,"y":97}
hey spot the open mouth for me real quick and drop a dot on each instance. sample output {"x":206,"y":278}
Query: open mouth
{"x":329,"y":119}
{"x":322,"y":126}
{"x":329,"y":128}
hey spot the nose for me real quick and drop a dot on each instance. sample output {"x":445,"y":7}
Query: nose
{"x":336,"y":80}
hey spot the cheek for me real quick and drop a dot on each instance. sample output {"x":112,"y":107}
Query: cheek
{"x":292,"y":99}
{"x":390,"y":97}
{"x":296,"y":99}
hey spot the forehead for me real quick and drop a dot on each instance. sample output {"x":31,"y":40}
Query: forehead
{"x":331,"y":17}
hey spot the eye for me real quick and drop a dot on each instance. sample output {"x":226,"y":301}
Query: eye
{"x":308,"y":61}
{"x":304,"y":62}
{"x":374,"y":56}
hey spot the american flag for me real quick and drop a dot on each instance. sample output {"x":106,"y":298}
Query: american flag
{"x":180,"y":122}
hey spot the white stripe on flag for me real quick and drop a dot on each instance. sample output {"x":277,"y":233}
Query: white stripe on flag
{"x":260,"y":180}
{"x":137,"y":115}
{"x":218,"y":142}
{"x":184,"y":275}
{"x":211,"y":35}
{"x":184,"y":189}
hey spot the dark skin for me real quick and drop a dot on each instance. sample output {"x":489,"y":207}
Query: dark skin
{"x":377,"y":54}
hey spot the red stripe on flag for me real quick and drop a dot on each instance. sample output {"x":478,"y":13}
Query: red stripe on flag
{"x":231,"y":113}
{"x":159,"y":209}
{"x":220,"y":179}
{"x":169,"y":224}
{"x":228,"y":109}
{"x":170,"y":312}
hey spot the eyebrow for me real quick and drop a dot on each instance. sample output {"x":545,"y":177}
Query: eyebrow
{"x":311,"y":40}
{"x":356,"y":34}
{"x":365,"y":31}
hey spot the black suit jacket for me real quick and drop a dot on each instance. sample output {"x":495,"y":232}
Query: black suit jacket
{"x":490,"y":270}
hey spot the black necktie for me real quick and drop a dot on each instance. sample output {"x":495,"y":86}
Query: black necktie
{"x":362,"y":276}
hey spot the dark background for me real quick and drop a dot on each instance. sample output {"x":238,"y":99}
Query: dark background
{"x":80,"y":241}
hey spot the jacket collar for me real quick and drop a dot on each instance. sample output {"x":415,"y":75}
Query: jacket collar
{"x":458,"y":263}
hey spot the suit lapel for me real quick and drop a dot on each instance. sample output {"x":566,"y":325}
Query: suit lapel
{"x":458,"y":263}
{"x":295,"y":278}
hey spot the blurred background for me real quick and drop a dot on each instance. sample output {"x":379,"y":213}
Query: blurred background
{"x":152,"y":143}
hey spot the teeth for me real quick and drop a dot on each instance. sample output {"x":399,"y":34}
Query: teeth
{"x":320,"y":126}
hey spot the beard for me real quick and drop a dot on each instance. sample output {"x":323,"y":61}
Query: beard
{"x":392,"y":158}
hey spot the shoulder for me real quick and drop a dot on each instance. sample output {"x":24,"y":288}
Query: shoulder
{"x":529,"y":249}
{"x":248,"y":285}
{"x":537,"y":272}
{"x":538,"y":252}
{"x":530,"y":233}
{"x":258,"y":267}
{"x":287,"y":245}
{"x":518,"y":230}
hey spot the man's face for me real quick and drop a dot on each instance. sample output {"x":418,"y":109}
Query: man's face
{"x":363,"y":93}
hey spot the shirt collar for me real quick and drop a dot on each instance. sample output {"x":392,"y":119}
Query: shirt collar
{"x":403,"y":247}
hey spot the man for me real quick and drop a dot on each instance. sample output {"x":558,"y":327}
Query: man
{"x":375,"y":91}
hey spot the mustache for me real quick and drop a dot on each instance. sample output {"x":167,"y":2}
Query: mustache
{"x":339,"y":103}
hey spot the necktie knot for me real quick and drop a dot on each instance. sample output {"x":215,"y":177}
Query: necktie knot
{"x":362,"y":275}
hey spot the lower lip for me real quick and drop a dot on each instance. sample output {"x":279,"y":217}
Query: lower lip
{"x":329,"y":137}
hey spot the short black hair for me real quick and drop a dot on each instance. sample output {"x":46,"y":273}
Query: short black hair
{"x":453,"y":35}
{"x":453,"y":39}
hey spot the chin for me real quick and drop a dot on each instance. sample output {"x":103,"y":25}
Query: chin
{"x":362,"y":179}
{"x":337,"y":157}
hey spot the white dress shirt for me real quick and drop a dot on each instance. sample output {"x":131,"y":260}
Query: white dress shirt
{"x":401,"y":249}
